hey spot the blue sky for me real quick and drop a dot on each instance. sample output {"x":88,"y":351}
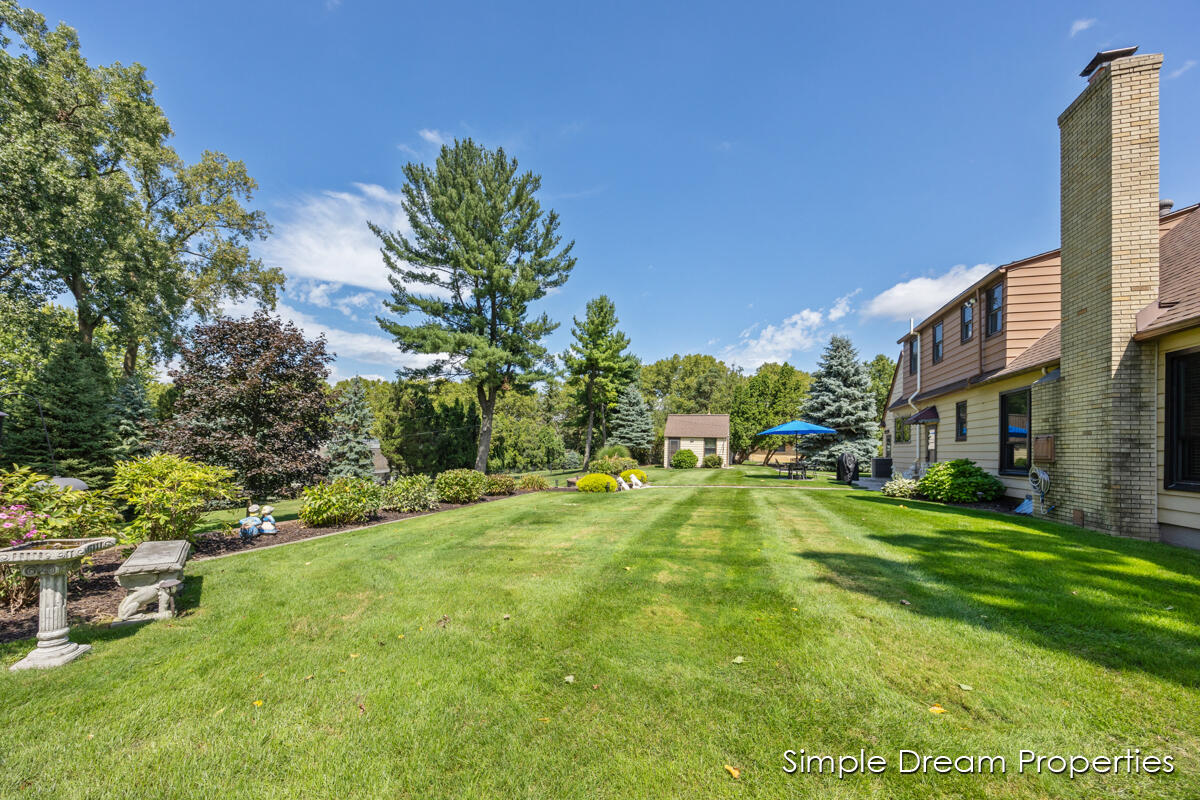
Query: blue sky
{"x":742,"y":179}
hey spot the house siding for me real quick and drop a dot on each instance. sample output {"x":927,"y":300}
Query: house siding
{"x":696,"y":445}
{"x":1176,"y":509}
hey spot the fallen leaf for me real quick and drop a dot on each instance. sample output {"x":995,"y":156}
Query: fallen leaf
{"x":595,"y":686}
{"x":569,"y":679}
{"x":936,"y":709}
{"x":91,"y":736}
{"x":543,"y":719}
{"x":444,"y":621}
{"x":734,"y":771}
{"x":966,"y":687}
{"x":306,"y":563}
{"x":739,"y":660}
{"x":220,"y":711}
{"x":795,"y":609}
{"x":507,"y":616}
{"x":628,"y":568}
{"x":354,"y":655}
{"x":1170,"y":608}
{"x":362,"y":709}
{"x":420,"y":627}
{"x":905,"y":603}
{"x":257,"y":703}
{"x":400,"y":636}
{"x":262,"y":675}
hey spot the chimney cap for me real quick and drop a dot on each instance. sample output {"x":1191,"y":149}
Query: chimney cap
{"x":1105,"y":56}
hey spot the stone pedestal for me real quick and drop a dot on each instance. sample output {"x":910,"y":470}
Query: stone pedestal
{"x":54,"y":648}
{"x":152,"y":575}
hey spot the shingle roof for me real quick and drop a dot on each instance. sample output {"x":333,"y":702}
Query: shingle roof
{"x":701,"y":426}
{"x":1178,"y":302}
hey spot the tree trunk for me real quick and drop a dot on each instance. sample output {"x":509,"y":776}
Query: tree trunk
{"x":487,"y":406}
{"x":587,"y":444}
{"x":129,"y":365}
{"x":603,"y":425}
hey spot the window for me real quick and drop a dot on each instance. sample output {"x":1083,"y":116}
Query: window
{"x":1183,"y":421}
{"x":960,"y":421}
{"x":930,"y":444}
{"x":672,"y":446}
{"x":887,"y":444}
{"x":1014,"y":432}
{"x":710,"y":447}
{"x":903,"y":431}
{"x":937,"y":342}
{"x":966,"y":321}
{"x":995,"y":309}
{"x":913,"y":356}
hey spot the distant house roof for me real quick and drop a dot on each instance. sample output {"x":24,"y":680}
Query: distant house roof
{"x":700,"y":426}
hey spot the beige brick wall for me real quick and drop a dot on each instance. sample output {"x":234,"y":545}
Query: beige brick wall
{"x":1106,"y":443}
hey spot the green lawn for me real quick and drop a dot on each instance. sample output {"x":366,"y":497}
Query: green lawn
{"x":646,"y":598}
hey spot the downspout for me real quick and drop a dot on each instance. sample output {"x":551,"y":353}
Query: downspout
{"x":917,"y":390}
{"x":978,"y":323}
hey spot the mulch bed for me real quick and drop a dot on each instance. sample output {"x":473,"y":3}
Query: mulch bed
{"x":93,"y":597}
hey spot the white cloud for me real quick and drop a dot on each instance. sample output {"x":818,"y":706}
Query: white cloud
{"x":800,"y":331}
{"x":841,"y":306}
{"x":1175,"y":73}
{"x":920,"y":297}
{"x":432,"y":136}
{"x":325,"y":294}
{"x":325,"y":236}
{"x":1081,"y":25}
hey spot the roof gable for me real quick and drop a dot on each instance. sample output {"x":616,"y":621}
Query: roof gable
{"x":700,"y":426}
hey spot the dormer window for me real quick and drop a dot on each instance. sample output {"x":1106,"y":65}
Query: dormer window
{"x":937,"y":342}
{"x":995,"y":309}
{"x":913,"y":356}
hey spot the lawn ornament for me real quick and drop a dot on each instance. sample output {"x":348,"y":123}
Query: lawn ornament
{"x":268,"y":521}
{"x":251,"y":524}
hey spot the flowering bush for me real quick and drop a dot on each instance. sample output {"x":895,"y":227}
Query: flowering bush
{"x":499,"y":484}
{"x":344,"y":501}
{"x":900,"y":487}
{"x":410,"y":494}
{"x":169,"y":494}
{"x":684,"y":459}
{"x":533,"y":483}
{"x":35,"y":509}
{"x":460,"y":486}
{"x":629,"y":473}
{"x":597,"y":482}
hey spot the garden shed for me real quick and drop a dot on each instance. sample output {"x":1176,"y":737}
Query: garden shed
{"x":703,"y":434}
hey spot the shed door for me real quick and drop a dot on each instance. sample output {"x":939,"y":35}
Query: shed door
{"x":672,"y":447}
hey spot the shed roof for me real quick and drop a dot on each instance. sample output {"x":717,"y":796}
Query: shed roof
{"x":706,"y":426}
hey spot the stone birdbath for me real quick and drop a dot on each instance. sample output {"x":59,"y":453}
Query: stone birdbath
{"x":50,"y":560}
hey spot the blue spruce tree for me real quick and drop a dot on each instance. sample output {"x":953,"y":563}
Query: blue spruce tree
{"x":841,"y":398}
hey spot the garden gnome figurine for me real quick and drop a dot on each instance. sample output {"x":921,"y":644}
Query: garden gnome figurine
{"x":251,"y":523}
{"x":268,"y":521}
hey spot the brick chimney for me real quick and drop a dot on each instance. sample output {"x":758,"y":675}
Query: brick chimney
{"x":1106,"y":462}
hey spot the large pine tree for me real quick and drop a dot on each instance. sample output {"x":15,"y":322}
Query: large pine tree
{"x":75,"y":391}
{"x":632,"y":424}
{"x":841,"y":398}
{"x":348,"y":453}
{"x":598,"y":364}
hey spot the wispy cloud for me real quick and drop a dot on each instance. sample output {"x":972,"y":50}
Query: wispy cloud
{"x":1081,"y":25}
{"x":841,"y":306}
{"x":1175,"y":73}
{"x":432,"y":136}
{"x":328,"y":294}
{"x":920,"y":297}
{"x":800,"y":331}
{"x":324,"y":237}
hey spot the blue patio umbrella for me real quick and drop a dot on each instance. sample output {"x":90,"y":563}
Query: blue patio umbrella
{"x":796,"y":427}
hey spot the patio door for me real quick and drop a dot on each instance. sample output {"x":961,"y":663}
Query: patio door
{"x":930,"y":444}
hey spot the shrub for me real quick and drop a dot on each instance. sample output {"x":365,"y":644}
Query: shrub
{"x":409,"y":494}
{"x":613,"y":465}
{"x":613,"y":450}
{"x":629,"y":473}
{"x":684,"y":459}
{"x":32,"y":509}
{"x":572,"y":460}
{"x":597,"y":482}
{"x":712,"y":461}
{"x":959,"y":481}
{"x":499,"y":484}
{"x":533,"y":483}
{"x":460,"y":486}
{"x":169,"y":493}
{"x":344,"y":501}
{"x":901,"y":487}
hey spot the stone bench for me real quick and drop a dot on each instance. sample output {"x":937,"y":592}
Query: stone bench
{"x":153,"y":572}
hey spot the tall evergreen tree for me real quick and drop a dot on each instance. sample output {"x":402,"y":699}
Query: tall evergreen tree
{"x":841,"y":398}
{"x":632,"y":424}
{"x":425,"y":433}
{"x":597,"y":363}
{"x":480,"y":240}
{"x":75,"y":391}
{"x":348,"y":453}
{"x":131,"y":414}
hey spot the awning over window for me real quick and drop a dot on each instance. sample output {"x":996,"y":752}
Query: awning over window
{"x":925,"y":415}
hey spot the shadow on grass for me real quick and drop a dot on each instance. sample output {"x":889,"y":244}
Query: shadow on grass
{"x":1122,"y":604}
